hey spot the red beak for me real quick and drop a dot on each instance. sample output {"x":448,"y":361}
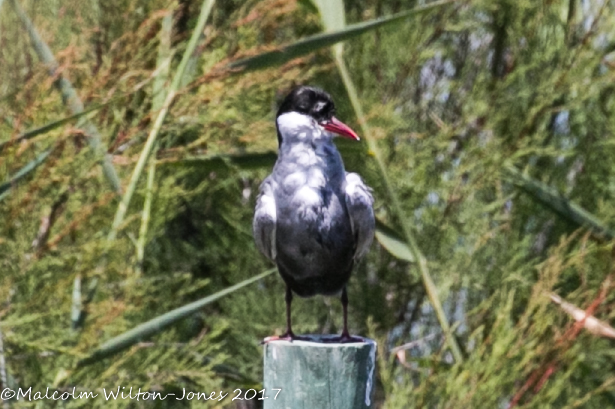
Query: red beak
{"x":338,"y":127}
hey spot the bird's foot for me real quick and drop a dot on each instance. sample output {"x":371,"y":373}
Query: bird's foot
{"x":288,"y":336}
{"x":345,"y":338}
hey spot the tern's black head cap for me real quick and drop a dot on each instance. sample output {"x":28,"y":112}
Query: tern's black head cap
{"x":310,"y":101}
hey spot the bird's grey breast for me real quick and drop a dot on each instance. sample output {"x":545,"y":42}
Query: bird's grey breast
{"x":311,"y":178}
{"x":314,"y":227}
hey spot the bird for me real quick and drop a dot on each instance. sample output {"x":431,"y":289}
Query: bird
{"x":312,"y":218}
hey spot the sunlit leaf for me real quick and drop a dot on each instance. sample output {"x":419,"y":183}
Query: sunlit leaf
{"x":550,"y":198}
{"x":590,"y":323}
{"x":150,"y":143}
{"x":316,"y":42}
{"x":393,"y":242}
{"x":254,"y":160}
{"x":158,"y":324}
{"x":49,"y":127}
{"x":70,"y":98}
{"x":33,"y":164}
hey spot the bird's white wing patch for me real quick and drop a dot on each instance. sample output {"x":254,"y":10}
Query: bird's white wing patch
{"x":263,"y":226}
{"x":359,"y":202}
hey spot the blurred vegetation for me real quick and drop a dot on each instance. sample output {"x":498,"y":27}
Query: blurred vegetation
{"x":490,"y":122}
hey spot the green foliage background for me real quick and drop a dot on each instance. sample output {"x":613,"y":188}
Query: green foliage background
{"x":471,"y":104}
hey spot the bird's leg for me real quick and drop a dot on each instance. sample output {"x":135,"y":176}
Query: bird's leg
{"x":289,"y":335}
{"x":344,"y":300}
{"x":345,"y":337}
{"x":289,"y":330}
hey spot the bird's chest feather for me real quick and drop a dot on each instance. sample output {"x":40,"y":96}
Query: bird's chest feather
{"x":312,"y":183}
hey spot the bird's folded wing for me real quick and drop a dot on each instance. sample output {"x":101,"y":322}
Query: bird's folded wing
{"x":359,"y":202}
{"x":263,"y":227}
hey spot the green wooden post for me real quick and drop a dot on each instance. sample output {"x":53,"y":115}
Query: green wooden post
{"x":317,"y":375}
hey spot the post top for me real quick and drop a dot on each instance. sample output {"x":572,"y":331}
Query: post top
{"x":321,"y":341}
{"x":320,"y":373}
